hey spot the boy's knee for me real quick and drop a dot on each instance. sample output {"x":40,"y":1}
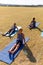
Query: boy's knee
{"x":18,"y":45}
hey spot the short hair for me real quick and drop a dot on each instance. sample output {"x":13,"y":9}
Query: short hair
{"x":34,"y":18}
{"x":14,"y":23}
{"x":21,"y":29}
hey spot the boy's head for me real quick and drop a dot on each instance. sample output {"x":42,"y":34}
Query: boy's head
{"x":14,"y":24}
{"x":33,"y":18}
{"x":21,"y":30}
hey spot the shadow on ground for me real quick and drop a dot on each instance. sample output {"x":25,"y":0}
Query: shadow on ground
{"x":29,"y":53}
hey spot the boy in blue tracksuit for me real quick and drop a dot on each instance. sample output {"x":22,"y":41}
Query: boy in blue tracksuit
{"x":19,"y":41}
{"x":11,"y":31}
{"x":33,"y":24}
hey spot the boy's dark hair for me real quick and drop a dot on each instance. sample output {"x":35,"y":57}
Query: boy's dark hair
{"x":34,"y":18}
{"x":14,"y":23}
{"x":21,"y":29}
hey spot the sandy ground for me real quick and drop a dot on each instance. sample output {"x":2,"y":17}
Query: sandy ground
{"x":23,"y":16}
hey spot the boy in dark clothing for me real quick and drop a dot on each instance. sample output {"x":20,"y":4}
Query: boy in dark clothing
{"x":33,"y":24}
{"x":19,"y":42}
{"x":11,"y":31}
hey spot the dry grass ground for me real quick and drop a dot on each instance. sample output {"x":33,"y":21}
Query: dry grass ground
{"x":23,"y":16}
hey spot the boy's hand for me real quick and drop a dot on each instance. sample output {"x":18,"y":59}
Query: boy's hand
{"x":25,"y":42}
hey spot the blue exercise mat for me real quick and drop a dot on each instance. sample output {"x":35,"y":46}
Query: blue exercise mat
{"x":8,"y":58}
{"x":41,"y":34}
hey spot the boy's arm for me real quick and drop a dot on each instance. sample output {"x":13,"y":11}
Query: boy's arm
{"x":17,"y":27}
{"x":24,"y":38}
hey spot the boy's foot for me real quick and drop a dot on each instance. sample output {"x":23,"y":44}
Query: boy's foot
{"x":11,"y":52}
{"x":3,"y":35}
{"x":30,"y":28}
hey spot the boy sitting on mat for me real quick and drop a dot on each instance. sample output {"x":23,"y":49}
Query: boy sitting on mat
{"x":32,"y":24}
{"x":19,"y":42}
{"x":11,"y":31}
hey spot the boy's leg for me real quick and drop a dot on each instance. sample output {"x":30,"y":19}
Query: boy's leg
{"x":11,"y":32}
{"x":16,"y":48}
{"x":7,"y":32}
{"x":12,"y":48}
{"x":39,"y":29}
{"x":30,"y":27}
